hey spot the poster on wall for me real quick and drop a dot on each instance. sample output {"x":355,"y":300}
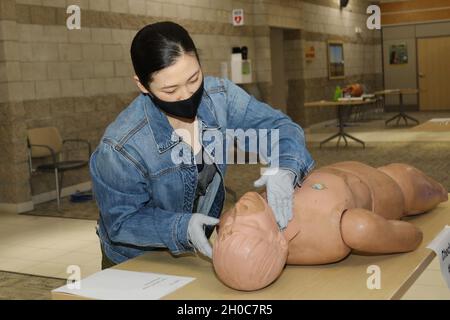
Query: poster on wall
{"x":336,"y":68}
{"x":398,"y":54}
{"x":310,"y":53}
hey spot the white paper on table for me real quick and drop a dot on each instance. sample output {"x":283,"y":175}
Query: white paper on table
{"x":440,"y":120}
{"x":441,"y":245}
{"x":113,"y":284}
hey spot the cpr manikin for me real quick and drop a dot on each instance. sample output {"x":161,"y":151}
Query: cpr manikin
{"x":340,"y":208}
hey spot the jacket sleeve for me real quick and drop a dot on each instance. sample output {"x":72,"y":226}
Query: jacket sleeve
{"x":246,"y":112}
{"x":122,"y":196}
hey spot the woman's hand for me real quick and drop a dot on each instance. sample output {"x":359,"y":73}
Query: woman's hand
{"x":196,"y":232}
{"x":280,"y":189}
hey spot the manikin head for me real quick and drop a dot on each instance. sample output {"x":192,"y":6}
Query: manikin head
{"x":250,"y":251}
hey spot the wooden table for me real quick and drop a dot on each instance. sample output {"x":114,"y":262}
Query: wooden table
{"x":343,"y":280}
{"x":401,"y":114}
{"x":340,"y":114}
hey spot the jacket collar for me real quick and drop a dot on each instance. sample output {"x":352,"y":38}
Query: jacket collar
{"x":163,"y":133}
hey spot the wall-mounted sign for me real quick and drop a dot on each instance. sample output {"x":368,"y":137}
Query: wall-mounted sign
{"x":398,"y":54}
{"x":238,"y":17}
{"x":310,"y":53}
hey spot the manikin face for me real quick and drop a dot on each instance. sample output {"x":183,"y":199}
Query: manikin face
{"x":250,"y":203}
{"x":176,"y":82}
{"x":250,"y":251}
{"x":249,"y":213}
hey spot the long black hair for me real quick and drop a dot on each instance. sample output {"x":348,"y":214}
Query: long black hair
{"x":157,"y":46}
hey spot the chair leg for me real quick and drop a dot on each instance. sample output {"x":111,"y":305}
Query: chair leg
{"x":61,"y":175}
{"x":58,"y":200}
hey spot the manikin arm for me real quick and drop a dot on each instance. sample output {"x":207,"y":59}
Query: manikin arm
{"x":364,"y":231}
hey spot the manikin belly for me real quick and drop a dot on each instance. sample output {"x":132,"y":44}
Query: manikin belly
{"x":387,"y":197}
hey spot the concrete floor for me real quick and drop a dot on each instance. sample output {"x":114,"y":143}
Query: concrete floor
{"x":377,"y":131}
{"x":47,"y":246}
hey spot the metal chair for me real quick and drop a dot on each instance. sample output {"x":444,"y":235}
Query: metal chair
{"x":47,"y":142}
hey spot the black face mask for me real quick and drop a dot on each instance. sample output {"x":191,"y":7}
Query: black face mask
{"x":184,"y":108}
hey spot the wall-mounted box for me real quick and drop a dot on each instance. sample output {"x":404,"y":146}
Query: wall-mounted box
{"x":241,"y":71}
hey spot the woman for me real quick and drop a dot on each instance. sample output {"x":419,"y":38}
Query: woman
{"x":147,"y":198}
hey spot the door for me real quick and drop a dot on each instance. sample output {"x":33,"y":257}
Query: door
{"x":279,"y":84}
{"x":434,"y":73}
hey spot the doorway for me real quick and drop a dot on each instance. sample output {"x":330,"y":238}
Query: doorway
{"x":433,"y":72}
{"x":279,"y":81}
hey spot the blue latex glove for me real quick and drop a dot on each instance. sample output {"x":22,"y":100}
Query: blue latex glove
{"x":280,"y":190}
{"x":196,"y":232}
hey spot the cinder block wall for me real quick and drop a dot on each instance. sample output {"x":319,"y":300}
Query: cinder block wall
{"x":78,"y":80}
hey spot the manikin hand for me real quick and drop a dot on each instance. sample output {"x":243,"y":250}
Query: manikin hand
{"x":280,"y":189}
{"x":196,"y":232}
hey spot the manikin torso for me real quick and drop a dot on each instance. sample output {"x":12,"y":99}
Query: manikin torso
{"x":324,"y":196}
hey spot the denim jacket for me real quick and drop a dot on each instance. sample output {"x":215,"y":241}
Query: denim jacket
{"x":145,"y":198}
